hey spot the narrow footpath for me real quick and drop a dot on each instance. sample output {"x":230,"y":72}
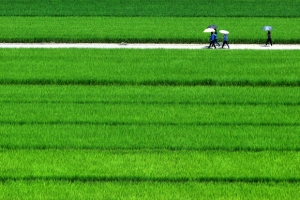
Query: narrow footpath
{"x":149,"y":46}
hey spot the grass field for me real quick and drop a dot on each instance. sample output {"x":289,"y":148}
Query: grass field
{"x":138,"y":124}
{"x":158,"y":137}
{"x":153,"y":8}
{"x":144,"y":29}
{"x":136,"y":21}
{"x":145,"y":165}
{"x":149,"y":67}
{"x":148,"y":124}
{"x":72,"y":122}
{"x":148,"y":190}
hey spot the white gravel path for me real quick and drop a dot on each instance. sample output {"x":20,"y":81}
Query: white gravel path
{"x":147,"y":46}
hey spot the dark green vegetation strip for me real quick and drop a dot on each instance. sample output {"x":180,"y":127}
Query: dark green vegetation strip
{"x":144,"y":29}
{"x":149,"y":67}
{"x":204,"y":82}
{"x":157,"y":8}
{"x":136,"y":179}
{"x":138,"y":123}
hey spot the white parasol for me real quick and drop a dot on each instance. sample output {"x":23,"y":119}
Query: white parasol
{"x":209,"y":30}
{"x":224,"y":32}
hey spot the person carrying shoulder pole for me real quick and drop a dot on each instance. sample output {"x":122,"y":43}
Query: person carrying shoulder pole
{"x":225,"y":41}
{"x":212,"y":40}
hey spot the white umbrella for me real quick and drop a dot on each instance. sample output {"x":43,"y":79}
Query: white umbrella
{"x":267,"y":28}
{"x":209,"y":30}
{"x":224,"y":32}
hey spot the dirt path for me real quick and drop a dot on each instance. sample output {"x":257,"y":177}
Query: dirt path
{"x":147,"y":46}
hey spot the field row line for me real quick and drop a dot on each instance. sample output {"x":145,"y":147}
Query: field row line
{"x":115,"y":123}
{"x":159,"y":82}
{"x":147,"y":46}
{"x":151,"y":179}
{"x":150,"y":102}
{"x":171,"y":149}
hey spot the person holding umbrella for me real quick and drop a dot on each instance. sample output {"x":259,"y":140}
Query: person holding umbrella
{"x":225,"y":38}
{"x":269,"y":38}
{"x":216,"y":37}
{"x":225,"y":41}
{"x":212,"y":40}
{"x":269,"y":29}
{"x":212,"y":36}
{"x":213,"y":26}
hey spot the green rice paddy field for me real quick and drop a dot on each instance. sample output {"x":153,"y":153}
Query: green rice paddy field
{"x":148,"y":124}
{"x":144,"y":29}
{"x":167,"y":8}
{"x":155,"y":21}
{"x":144,"y":124}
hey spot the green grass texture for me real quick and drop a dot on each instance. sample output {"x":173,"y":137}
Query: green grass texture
{"x":152,"y":137}
{"x":64,"y":101}
{"x":157,"y":8}
{"x":149,"y":67}
{"x":60,"y":117}
{"x":141,"y":114}
{"x":145,"y":165}
{"x":147,"y":190}
{"x":148,"y":124}
{"x":134,"y":94}
{"x":145,"y":29}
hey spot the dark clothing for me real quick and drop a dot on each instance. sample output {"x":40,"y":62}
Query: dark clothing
{"x":225,"y":42}
{"x":225,"y":37}
{"x":212,"y":43}
{"x":212,"y":40}
{"x":269,"y":39}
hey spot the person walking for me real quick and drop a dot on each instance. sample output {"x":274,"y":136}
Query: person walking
{"x":216,"y":37}
{"x":269,"y":38}
{"x":212,"y":40}
{"x":225,"y":41}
